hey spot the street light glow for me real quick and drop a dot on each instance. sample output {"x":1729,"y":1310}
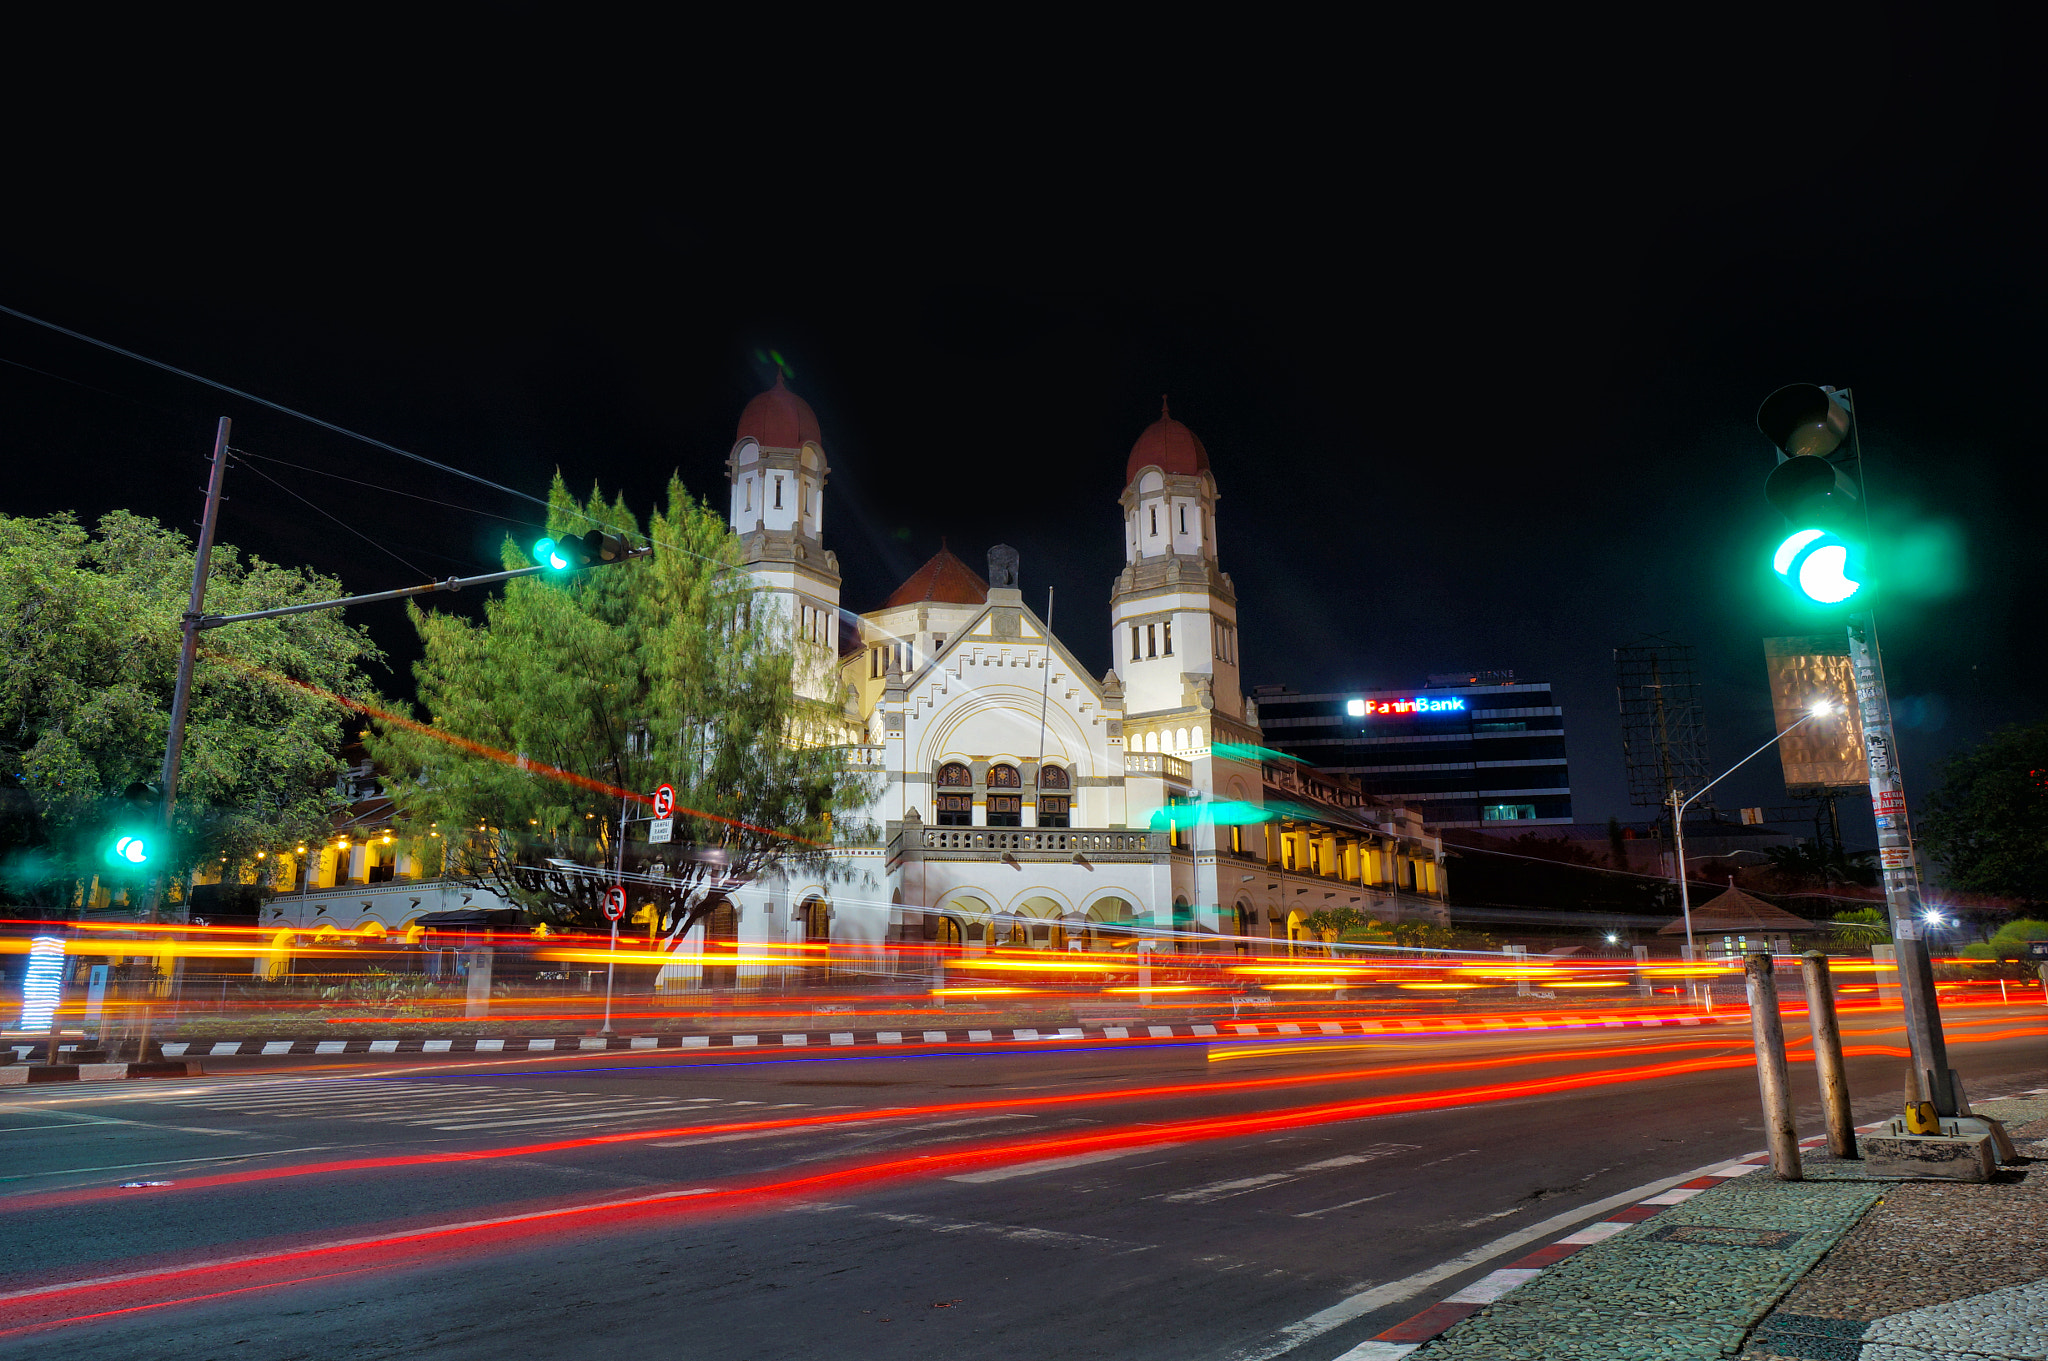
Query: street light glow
{"x":1822,"y":708}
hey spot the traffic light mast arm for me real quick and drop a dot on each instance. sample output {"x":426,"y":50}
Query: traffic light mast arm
{"x":214,"y":621}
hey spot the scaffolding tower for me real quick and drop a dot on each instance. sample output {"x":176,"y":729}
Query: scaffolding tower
{"x":1663,"y":731}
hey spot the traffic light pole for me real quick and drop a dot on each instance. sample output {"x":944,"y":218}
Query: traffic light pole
{"x":214,"y":621}
{"x":1900,"y":869}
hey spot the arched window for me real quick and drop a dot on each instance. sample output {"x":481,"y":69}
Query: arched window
{"x":1151,"y":741}
{"x":1005,"y":810}
{"x":955,"y":810}
{"x":1054,"y":810}
{"x":1198,"y":737}
{"x":1180,"y":739}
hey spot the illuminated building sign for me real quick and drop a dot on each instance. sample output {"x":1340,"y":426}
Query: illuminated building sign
{"x":1360,"y":708}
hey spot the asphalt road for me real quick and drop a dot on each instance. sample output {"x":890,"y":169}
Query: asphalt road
{"x":1189,"y":1199}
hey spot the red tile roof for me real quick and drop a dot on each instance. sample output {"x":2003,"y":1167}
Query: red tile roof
{"x":944,"y":579}
{"x":1169,"y":445}
{"x":780,"y":419}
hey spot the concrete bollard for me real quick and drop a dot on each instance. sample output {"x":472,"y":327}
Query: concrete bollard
{"x":1827,"y":1054}
{"x":1773,"y":1081}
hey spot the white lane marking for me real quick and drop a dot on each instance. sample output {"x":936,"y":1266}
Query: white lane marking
{"x":1032,"y":1169}
{"x":730,"y":1138}
{"x":1015,"y":1233}
{"x":1493,"y":1285}
{"x":1222,"y":1190}
{"x":1379,"y":1351}
{"x":1331,"y":1209}
{"x":172,"y":1162}
{"x":1370,"y":1153}
{"x":1453,"y":1157}
{"x":1393,"y":1292}
{"x":565,"y":1118}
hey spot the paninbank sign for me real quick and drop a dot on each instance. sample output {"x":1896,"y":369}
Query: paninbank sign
{"x":1360,"y":708}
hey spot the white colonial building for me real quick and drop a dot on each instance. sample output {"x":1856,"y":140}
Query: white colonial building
{"x":1022,"y":800}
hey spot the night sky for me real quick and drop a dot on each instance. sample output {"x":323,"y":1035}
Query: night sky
{"x":1478,"y":391}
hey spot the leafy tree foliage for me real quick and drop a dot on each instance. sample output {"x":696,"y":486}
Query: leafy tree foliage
{"x":1987,"y":822}
{"x":572,"y":696}
{"x":89,"y":627}
{"x":1812,"y":864}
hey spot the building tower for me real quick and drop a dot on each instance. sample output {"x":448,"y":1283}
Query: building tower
{"x":777,"y":469}
{"x":1173,"y":611}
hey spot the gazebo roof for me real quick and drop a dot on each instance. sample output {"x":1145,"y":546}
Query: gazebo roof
{"x":1736,"y":913}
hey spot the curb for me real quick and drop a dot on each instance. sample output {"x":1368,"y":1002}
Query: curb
{"x":1310,"y":1030}
{"x":1390,"y":1344}
{"x":25,"y":1074}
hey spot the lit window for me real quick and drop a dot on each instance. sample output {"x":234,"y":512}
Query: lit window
{"x":1168,"y":629}
{"x":778,"y":493}
{"x":1153,"y":512}
{"x":747,"y":490}
{"x":1134,"y":642}
{"x":1508,"y":812}
{"x":1151,"y":640}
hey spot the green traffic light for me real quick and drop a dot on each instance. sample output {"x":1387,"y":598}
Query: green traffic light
{"x":128,"y":852}
{"x":548,"y":554}
{"x":1816,"y":564}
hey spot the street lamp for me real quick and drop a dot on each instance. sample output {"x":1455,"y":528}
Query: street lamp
{"x":1820,"y":710}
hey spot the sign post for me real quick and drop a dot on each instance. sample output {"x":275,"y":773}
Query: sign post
{"x":614,"y":908}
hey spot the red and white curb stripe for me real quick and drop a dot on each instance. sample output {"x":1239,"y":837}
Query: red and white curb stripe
{"x":1016,"y":1035}
{"x":1404,"y":1337}
{"x":1392,"y":1343}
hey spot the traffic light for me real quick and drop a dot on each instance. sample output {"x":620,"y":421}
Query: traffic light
{"x":1822,"y":556}
{"x":574,"y":552}
{"x":131,"y":842}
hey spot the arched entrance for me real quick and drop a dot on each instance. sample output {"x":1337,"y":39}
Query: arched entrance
{"x":1110,"y":922}
{"x":1246,"y":923}
{"x":721,"y":939}
{"x":1039,"y":924}
{"x":814,"y":918}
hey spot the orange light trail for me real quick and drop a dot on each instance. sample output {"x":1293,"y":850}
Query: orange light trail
{"x":491,"y":753}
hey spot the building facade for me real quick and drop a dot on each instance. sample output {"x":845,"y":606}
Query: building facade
{"x":1477,"y":750}
{"x":1024,"y":801}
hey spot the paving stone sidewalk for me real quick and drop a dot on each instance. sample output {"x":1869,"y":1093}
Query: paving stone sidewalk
{"x":1832,"y":1267}
{"x":1938,"y":1270}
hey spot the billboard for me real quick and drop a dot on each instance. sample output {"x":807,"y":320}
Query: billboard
{"x":1827,"y":753}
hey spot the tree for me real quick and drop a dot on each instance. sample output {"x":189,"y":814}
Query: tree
{"x":574,"y":697}
{"x":1987,"y":821}
{"x":89,"y":624}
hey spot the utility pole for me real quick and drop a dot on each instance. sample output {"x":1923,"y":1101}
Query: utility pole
{"x":181,"y":696}
{"x":1900,"y":869}
{"x":195,"y":611}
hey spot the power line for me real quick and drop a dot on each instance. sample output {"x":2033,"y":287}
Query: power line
{"x":341,"y":430}
{"x":378,"y":486}
{"x":337,"y":519}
